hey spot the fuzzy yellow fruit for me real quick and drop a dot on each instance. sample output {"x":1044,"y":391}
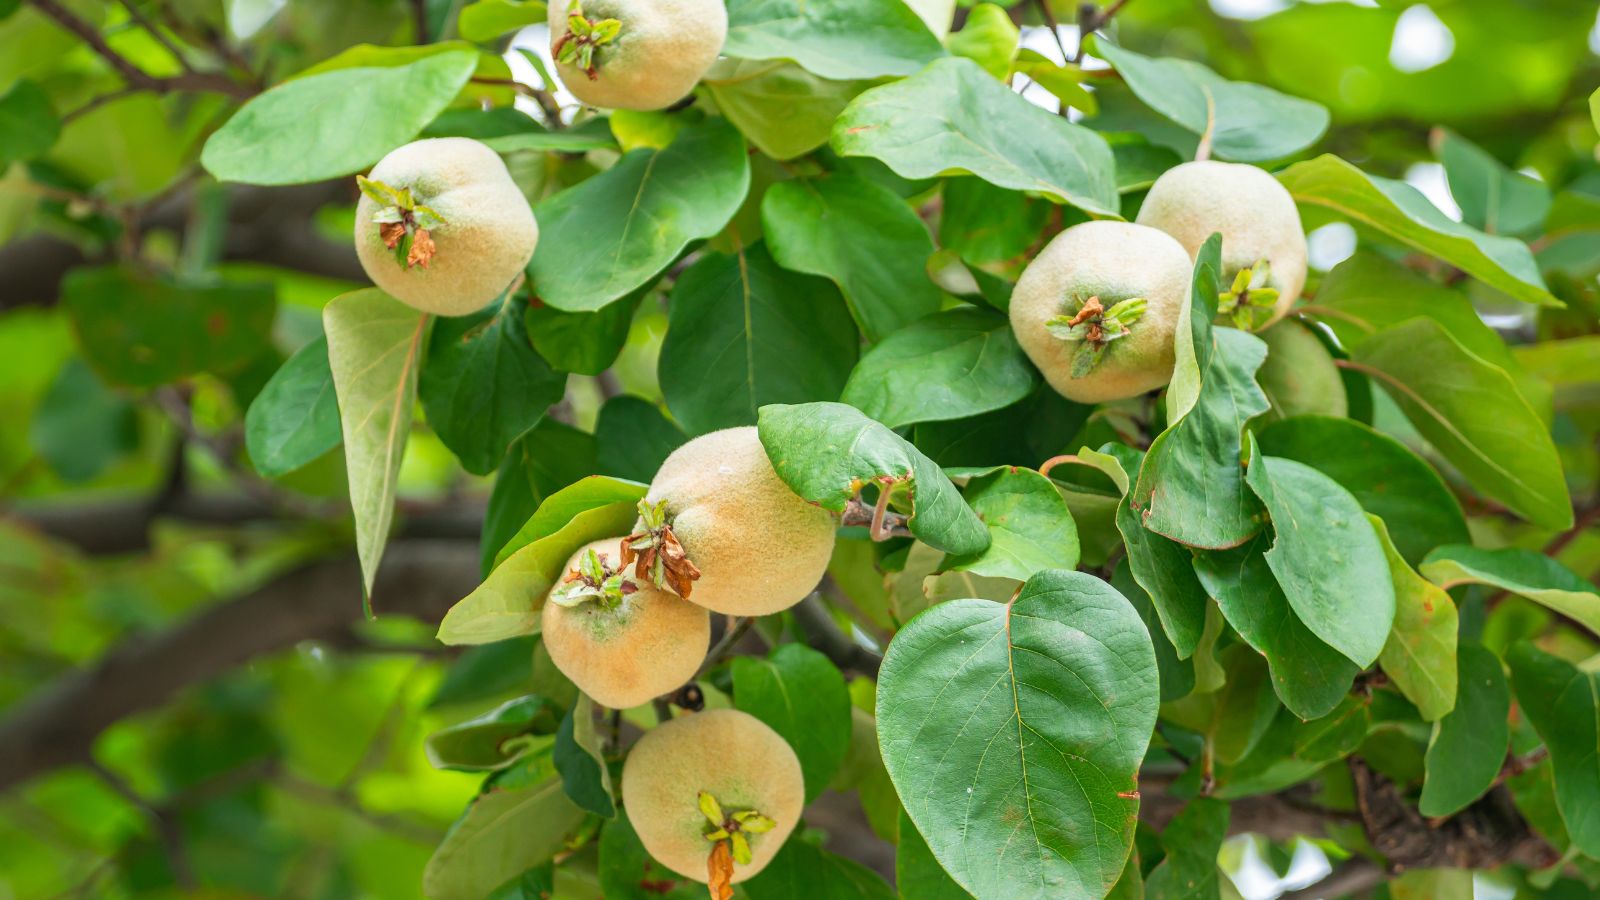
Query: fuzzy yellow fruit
{"x":758,"y":546}
{"x":628,"y":649}
{"x":730,"y":755}
{"x":486,"y":236}
{"x":649,"y":59}
{"x":1102,"y":264}
{"x":1253,"y":212}
{"x":1299,"y":375}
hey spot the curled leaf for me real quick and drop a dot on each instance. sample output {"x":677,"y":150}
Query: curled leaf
{"x":656,"y":555}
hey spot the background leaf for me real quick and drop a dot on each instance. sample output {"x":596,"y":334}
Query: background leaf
{"x":916,"y":872}
{"x":578,"y":757}
{"x":1192,"y":840}
{"x":1522,"y":572}
{"x":832,"y":38}
{"x":802,"y":871}
{"x":802,"y":696}
{"x":743,"y":333}
{"x":80,"y":426}
{"x":1030,"y":527}
{"x":1468,"y":745}
{"x":1421,"y":651}
{"x":1563,"y":703}
{"x":1043,"y":708}
{"x":634,"y":438}
{"x":295,"y":418}
{"x":504,"y":832}
{"x":949,"y":365}
{"x":783,"y":109}
{"x":28,"y":124}
{"x":1491,"y":197}
{"x":374,"y":350}
{"x":952,"y":117}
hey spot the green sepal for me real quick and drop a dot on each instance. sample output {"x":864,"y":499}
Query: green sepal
{"x":753,"y":822}
{"x":712,"y":810}
{"x":389,"y":215}
{"x":1084,"y":361}
{"x":741,"y":848}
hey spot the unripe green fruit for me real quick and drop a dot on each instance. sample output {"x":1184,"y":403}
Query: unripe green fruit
{"x":759,"y":547}
{"x":650,"y":643}
{"x":1111,"y":261}
{"x":731,"y":755}
{"x":1299,"y":376}
{"x":487,"y":237}
{"x":1254,"y":213}
{"x":659,"y":53}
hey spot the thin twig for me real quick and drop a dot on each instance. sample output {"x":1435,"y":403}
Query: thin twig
{"x":167,"y":827}
{"x":731,"y":633}
{"x":144,"y":22}
{"x":136,"y":77}
{"x":545,"y":99}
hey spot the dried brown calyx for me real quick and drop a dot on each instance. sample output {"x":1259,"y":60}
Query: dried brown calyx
{"x":583,"y":40}
{"x":1089,"y":322}
{"x":592,"y":581}
{"x":728,"y":831}
{"x":655,"y":553}
{"x":404,"y":225}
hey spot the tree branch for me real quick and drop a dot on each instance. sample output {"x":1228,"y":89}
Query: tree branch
{"x":136,"y":77}
{"x":58,"y":724}
{"x":824,"y":635}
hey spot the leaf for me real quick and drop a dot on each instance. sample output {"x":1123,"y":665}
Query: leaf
{"x":802,"y":696}
{"x":1491,"y":196}
{"x":503,"y":833}
{"x":1309,"y":676}
{"x":862,"y":237}
{"x":1191,"y":486}
{"x":986,"y":224}
{"x":489,"y":741}
{"x":610,"y":234}
{"x":586,"y":343}
{"x":1401,"y":212}
{"x":949,"y":365}
{"x":295,"y":418}
{"x":832,"y":38}
{"x":1030,"y":527}
{"x":1247,"y":122}
{"x":556,"y":510}
{"x":743,"y":333}
{"x":1521,"y":572}
{"x":1176,"y":675}
{"x":334,"y":111}
{"x":1193,"y":839}
{"x":1193,"y":343}
{"x":543,"y":461}
{"x":1163,"y":568}
{"x":577,"y":756}
{"x":1019,"y":768}
{"x":484,"y":386}
{"x":1419,"y":656}
{"x":1326,"y":557}
{"x":80,"y":427}
{"x":374,"y":349}
{"x":826,"y":452}
{"x":783,"y":109}
{"x":628,"y":873}
{"x":953,"y":118}
{"x":802,"y":871}
{"x":1385,"y":477}
{"x":917,"y":873}
{"x":485,"y":20}
{"x":1563,"y":703}
{"x":591,"y":134}
{"x":1468,"y":745}
{"x":1471,"y":412}
{"x":988,"y":38}
{"x":634,"y":438}
{"x":141,"y":330}
{"x":28,"y":123}
{"x":1234,"y":716}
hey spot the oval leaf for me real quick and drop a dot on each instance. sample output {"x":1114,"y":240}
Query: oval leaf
{"x":1522,"y":572}
{"x":502,"y":834}
{"x":802,"y":696}
{"x":1469,"y":744}
{"x":295,"y":418}
{"x":832,"y":38}
{"x":1420,"y":655}
{"x":1563,"y":703}
{"x":1030,"y":526}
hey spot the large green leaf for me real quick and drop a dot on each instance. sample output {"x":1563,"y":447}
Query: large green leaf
{"x":803,"y":871}
{"x":503,"y":833}
{"x":509,"y":601}
{"x":1386,"y":478}
{"x":827,"y":452}
{"x":1162,"y":567}
{"x":1491,"y":196}
{"x":783,"y":109}
{"x":1309,"y":676}
{"x":352,"y":116}
{"x":1401,"y":212}
{"x":1194,"y":343}
{"x":1014,"y":733}
{"x":1326,"y":557}
{"x":634,"y":437}
{"x":743,"y":333}
{"x":802,"y":696}
{"x":986,"y":224}
{"x":1522,"y":572}
{"x":610,"y":234}
{"x":556,"y":510}
{"x":1563,"y":703}
{"x":374,"y":351}
{"x":1420,"y":655}
{"x":1468,"y":745}
{"x":578,"y":757}
{"x":1192,"y":840}
{"x":862,"y":237}
{"x":28,"y":124}
{"x":142,"y":330}
{"x":484,"y":386}
{"x":546,"y":459}
{"x":949,"y":365}
{"x":627,"y":872}
{"x":1030,"y":527}
{"x":1247,"y":122}
{"x":295,"y":418}
{"x":1177,"y":675}
{"x":916,"y":872}
{"x":1191,"y":486}
{"x":1471,"y":412}
{"x":832,"y":38}
{"x":954,"y":118}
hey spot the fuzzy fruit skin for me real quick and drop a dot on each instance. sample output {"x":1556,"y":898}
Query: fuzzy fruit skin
{"x":1114,"y":261}
{"x":665,"y":46}
{"x":1299,"y":376}
{"x":1255,"y":214}
{"x":651,"y":643}
{"x":488,"y":236}
{"x":759,"y":547}
{"x":729,"y":754}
